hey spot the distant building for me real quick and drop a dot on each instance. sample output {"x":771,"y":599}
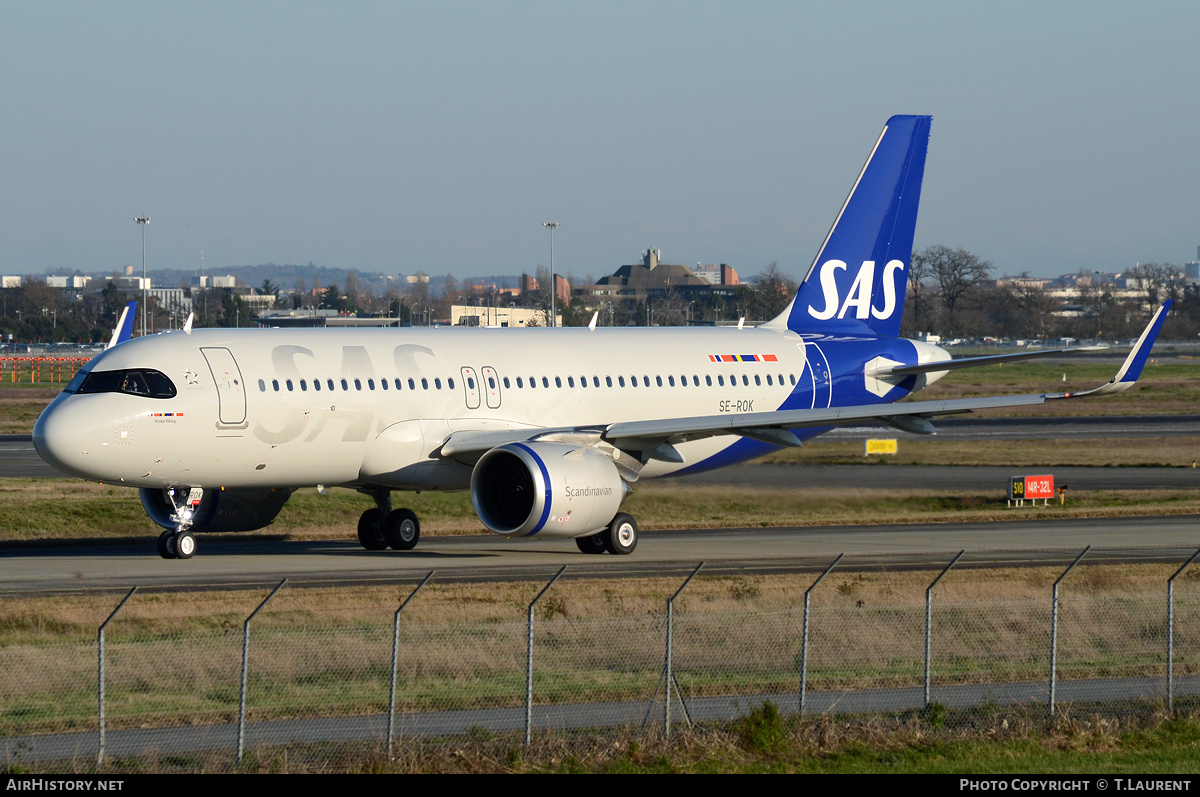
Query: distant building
{"x":131,"y":283}
{"x":10,"y":282}
{"x":649,"y":278}
{"x":562,"y":289}
{"x":716,"y":274}
{"x":226,"y":281}
{"x":466,"y":316}
{"x":73,"y":282}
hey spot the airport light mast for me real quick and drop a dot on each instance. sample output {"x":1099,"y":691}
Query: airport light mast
{"x":143,"y":221}
{"x":553,"y":225}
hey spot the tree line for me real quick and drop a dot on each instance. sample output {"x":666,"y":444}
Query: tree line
{"x":951,"y":293}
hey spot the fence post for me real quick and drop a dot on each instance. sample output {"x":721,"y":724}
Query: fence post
{"x":391,"y":726}
{"x":100,"y":672}
{"x":1054,"y":629}
{"x":529,"y":658}
{"x":1171,"y":633}
{"x":929,"y":621}
{"x":241,"y":740}
{"x":804,"y":634}
{"x":669,"y":671}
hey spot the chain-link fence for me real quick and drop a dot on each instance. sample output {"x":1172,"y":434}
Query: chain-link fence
{"x":218,"y":676}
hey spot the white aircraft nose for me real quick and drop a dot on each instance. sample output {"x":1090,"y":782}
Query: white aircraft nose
{"x":62,"y":434}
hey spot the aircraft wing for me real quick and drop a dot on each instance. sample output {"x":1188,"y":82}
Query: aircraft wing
{"x":654,"y":439}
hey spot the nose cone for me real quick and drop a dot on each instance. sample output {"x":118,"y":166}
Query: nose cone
{"x":62,"y":434}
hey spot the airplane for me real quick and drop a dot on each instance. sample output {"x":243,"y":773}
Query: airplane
{"x":548,"y":429}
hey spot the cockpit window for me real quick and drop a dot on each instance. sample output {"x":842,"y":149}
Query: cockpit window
{"x":134,"y":381}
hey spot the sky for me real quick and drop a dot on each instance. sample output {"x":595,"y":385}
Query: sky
{"x":396,"y":137}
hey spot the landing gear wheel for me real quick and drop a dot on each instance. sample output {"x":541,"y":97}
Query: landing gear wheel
{"x":185,"y":545}
{"x":370,"y":530}
{"x":164,"y":545}
{"x":593,"y":543}
{"x":622,"y":535}
{"x":402,"y":529}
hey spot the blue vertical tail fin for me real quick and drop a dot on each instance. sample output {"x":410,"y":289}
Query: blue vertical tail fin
{"x":857,"y":282}
{"x":124,"y":329}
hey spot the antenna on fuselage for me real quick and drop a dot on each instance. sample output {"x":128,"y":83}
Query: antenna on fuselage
{"x":592,"y":323}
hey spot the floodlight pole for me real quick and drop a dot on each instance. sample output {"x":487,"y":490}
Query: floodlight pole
{"x":143,"y":221}
{"x":553,"y":225}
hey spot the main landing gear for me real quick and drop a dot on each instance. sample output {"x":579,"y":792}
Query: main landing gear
{"x":383,"y":527}
{"x":620,"y":538}
{"x":180,"y":543}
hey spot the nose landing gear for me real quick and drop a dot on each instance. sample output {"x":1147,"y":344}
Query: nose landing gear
{"x":180,"y":543}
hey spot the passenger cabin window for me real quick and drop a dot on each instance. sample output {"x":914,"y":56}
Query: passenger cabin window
{"x":437,"y":383}
{"x":424,"y":383}
{"x":275,"y":385}
{"x":262,"y":386}
{"x":450,"y":382}
{"x":357,"y":384}
{"x":143,"y":382}
{"x":370,"y":384}
{"x":345,"y":385}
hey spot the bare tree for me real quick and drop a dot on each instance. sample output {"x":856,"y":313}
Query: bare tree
{"x":1157,"y":282}
{"x":772,"y":291}
{"x":917,"y":307}
{"x":958,"y":274}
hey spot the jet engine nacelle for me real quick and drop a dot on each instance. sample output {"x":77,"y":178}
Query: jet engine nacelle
{"x":549,"y":489}
{"x":219,"y":510}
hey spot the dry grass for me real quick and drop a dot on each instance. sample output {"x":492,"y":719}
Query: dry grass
{"x":21,"y":406}
{"x":326,"y":652}
{"x":72,"y":512}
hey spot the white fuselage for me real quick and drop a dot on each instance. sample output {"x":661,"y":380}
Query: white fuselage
{"x":292,"y":408}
